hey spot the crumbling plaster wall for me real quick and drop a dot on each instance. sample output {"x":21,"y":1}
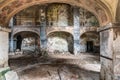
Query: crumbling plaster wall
{"x":60,"y":41}
{"x":59,"y":17}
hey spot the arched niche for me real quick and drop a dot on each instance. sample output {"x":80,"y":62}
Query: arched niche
{"x":60,"y":41}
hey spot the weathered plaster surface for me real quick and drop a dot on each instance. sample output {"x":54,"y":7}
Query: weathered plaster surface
{"x":110,"y":39}
{"x":57,"y":44}
{"x":60,"y":42}
{"x":3,"y":49}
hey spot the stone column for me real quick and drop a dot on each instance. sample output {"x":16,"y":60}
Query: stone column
{"x":109,"y":49}
{"x":11,"y":37}
{"x":76,"y":30}
{"x":15,"y":43}
{"x":43,"y":38}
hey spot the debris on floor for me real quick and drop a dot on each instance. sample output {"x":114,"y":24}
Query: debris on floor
{"x":57,"y":67}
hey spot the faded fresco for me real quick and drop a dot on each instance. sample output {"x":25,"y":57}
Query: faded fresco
{"x":59,"y":15}
{"x":28,"y":16}
{"x":87,"y":19}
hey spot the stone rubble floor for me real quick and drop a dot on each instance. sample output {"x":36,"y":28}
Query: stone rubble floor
{"x":57,"y":67}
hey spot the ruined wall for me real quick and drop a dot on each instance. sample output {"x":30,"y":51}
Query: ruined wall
{"x":60,"y":41}
{"x":57,"y":17}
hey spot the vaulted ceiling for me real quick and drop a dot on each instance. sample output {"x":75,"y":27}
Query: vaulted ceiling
{"x":104,"y":10}
{"x":112,"y":5}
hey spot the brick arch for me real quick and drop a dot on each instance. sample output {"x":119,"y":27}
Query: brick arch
{"x":9,"y":9}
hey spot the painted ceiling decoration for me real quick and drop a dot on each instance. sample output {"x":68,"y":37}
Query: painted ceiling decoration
{"x":59,"y":15}
{"x":11,"y":7}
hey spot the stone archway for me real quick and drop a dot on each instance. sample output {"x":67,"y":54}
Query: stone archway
{"x":90,"y":42}
{"x":22,"y":36}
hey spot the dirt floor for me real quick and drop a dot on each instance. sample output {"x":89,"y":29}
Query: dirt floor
{"x":57,"y":67}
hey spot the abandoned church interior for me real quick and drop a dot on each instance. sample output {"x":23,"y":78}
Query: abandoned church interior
{"x":59,"y":39}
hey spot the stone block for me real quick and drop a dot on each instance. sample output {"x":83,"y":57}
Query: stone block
{"x":3,"y":72}
{"x":11,"y":75}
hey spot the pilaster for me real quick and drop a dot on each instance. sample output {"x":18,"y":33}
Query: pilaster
{"x":76,"y":30}
{"x":43,"y":38}
{"x":109,"y":50}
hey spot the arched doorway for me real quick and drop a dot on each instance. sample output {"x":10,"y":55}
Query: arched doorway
{"x":91,"y":42}
{"x":27,"y":41}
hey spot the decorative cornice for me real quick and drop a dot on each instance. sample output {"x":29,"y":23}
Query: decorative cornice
{"x":109,"y":26}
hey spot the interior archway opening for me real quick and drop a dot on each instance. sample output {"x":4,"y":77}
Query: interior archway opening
{"x":25,"y":41}
{"x":91,"y":42}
